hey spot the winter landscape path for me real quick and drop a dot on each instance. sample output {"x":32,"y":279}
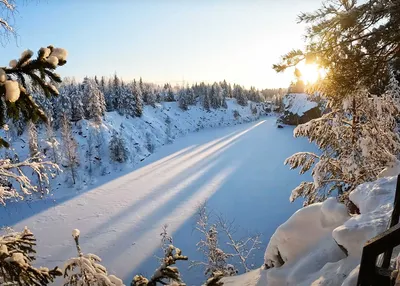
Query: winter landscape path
{"x":238,"y":169}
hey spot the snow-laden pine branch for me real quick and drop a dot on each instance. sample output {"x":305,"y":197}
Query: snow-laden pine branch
{"x":86,"y":269}
{"x":358,"y":143}
{"x":15,"y":175}
{"x":16,"y":256}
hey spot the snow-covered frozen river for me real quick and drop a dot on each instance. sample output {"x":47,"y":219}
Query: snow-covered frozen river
{"x":238,"y":169}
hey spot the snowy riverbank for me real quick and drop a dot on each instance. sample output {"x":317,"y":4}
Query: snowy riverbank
{"x":238,"y":169}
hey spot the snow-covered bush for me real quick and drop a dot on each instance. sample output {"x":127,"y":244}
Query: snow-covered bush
{"x":216,"y":259}
{"x":166,"y":273}
{"x":15,"y":81}
{"x":236,"y":114}
{"x":357,"y":141}
{"x":86,"y":269}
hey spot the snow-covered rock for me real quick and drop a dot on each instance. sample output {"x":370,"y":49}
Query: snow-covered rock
{"x":303,"y":231}
{"x":308,"y":243}
{"x":299,"y":108}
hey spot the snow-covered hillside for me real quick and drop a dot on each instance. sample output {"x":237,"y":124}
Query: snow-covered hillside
{"x":237,"y":169}
{"x":305,"y":249}
{"x":143,"y":135}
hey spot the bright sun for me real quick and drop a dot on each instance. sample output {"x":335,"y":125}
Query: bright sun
{"x":310,"y":73}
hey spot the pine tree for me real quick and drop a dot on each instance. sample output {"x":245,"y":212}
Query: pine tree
{"x":109,"y":95}
{"x":215,"y":96}
{"x":158,"y":96}
{"x":129,"y":104}
{"x":137,"y":94}
{"x":224,"y":104}
{"x":182,"y":100}
{"x":358,"y":143}
{"x":240,"y":96}
{"x":190,"y":95}
{"x":75,"y":94}
{"x":117,"y":147}
{"x":169,"y":96}
{"x":17,"y":255}
{"x":206,"y":101}
{"x":69,"y":145}
{"x":102,"y":85}
{"x":63,"y":105}
{"x":354,"y":41}
{"x":150,"y":96}
{"x":94,"y":101}
{"x":118,"y":95}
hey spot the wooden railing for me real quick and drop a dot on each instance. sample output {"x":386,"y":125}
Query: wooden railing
{"x":370,"y":273}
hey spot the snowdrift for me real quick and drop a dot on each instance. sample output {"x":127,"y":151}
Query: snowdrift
{"x":321,"y":244}
{"x":299,"y":108}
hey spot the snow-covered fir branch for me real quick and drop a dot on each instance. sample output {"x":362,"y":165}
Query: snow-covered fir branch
{"x":358,"y":142}
{"x":16,"y":256}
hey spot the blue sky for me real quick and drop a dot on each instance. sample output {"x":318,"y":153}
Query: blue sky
{"x":165,"y":41}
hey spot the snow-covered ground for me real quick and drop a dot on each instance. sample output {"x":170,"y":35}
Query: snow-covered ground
{"x":238,"y":169}
{"x":308,"y":242}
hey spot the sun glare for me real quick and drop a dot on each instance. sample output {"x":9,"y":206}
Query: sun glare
{"x":310,"y":73}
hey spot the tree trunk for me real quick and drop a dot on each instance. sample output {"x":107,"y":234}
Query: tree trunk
{"x":354,"y":129}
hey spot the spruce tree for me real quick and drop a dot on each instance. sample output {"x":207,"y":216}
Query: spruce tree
{"x":182,"y":100}
{"x":94,"y":101}
{"x":224,"y":104}
{"x":129,"y":104}
{"x":190,"y":95}
{"x":76,"y":98}
{"x":137,"y":95}
{"x":239,"y":94}
{"x":63,"y":105}
{"x":150,"y":96}
{"x":117,"y":147}
{"x":109,"y":95}
{"x":169,"y":94}
{"x":117,"y":95}
{"x":206,"y":101}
